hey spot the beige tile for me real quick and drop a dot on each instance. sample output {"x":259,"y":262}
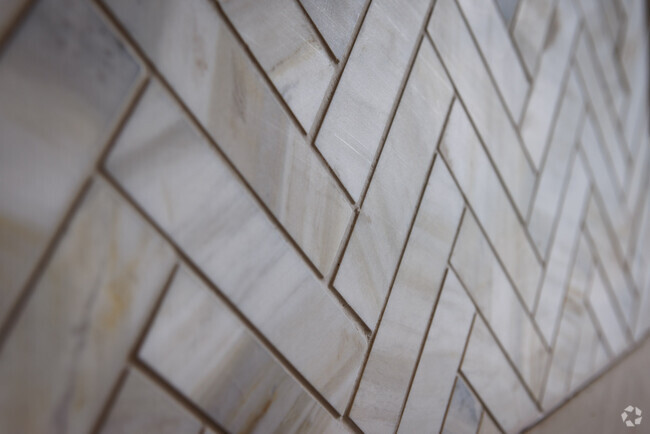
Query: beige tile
{"x":142,"y":407}
{"x":199,"y":57}
{"x":530,"y":27}
{"x":475,"y":175}
{"x":284,"y":42}
{"x":376,"y":242}
{"x":61,"y":87}
{"x":497,"y":301}
{"x":335,"y":20}
{"x":464,"y":412}
{"x":443,"y":348}
{"x":608,"y":321}
{"x":182,"y":183}
{"x":364,"y":97}
{"x":199,"y":346}
{"x":492,"y":378}
{"x":537,"y":122}
{"x":488,"y":426}
{"x":411,"y":301}
{"x":461,"y":57}
{"x":69,"y":345}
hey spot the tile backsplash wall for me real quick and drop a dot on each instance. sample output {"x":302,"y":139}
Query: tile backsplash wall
{"x":318,"y":215}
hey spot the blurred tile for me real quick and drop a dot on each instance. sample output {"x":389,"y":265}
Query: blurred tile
{"x":464,"y":413}
{"x":529,"y":29}
{"x":488,"y":426}
{"x":507,"y":8}
{"x":10,"y":10}
{"x":584,"y":365}
{"x":605,"y":312}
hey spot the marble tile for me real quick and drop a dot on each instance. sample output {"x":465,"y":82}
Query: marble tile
{"x":182,"y":183}
{"x":585,"y":353}
{"x":557,"y":271}
{"x":464,"y":413}
{"x":530,"y":27}
{"x":61,"y":94}
{"x":478,"y":181}
{"x":639,"y":177}
{"x":199,"y":346}
{"x":410,"y":304}
{"x":69,"y":345}
{"x":488,"y":426}
{"x":142,"y":407}
{"x":335,"y":20}
{"x":443,"y":348}
{"x":287,"y":46}
{"x":373,"y":251}
{"x":493,"y":40}
{"x":537,"y":122}
{"x":487,"y":370}
{"x":366,"y":92}
{"x":643,"y":323}
{"x":555,"y":172}
{"x":638,"y":103}
{"x":199,"y":57}
{"x":498,"y":303}
{"x":633,"y":46}
{"x":609,"y":323}
{"x":461,"y":57}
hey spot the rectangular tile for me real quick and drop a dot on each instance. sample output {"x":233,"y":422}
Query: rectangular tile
{"x":443,"y":348}
{"x":186,"y":188}
{"x":373,"y":251}
{"x":584,"y":365}
{"x":643,"y":323}
{"x":217,"y":81}
{"x":369,"y":85}
{"x":199,"y":346}
{"x":499,"y":53}
{"x":488,"y":426}
{"x":529,"y":29}
{"x":461,"y":57}
{"x":608,"y":320}
{"x":498,"y":303}
{"x":62,"y":88}
{"x":475,"y":175}
{"x":399,"y":336}
{"x":464,"y":413}
{"x":483,"y":364}
{"x":537,"y":122}
{"x":69,"y":345}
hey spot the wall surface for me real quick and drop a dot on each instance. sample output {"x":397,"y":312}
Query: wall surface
{"x":318,"y":215}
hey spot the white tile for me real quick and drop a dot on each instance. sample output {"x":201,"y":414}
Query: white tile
{"x":530,"y":27}
{"x":584,"y":365}
{"x":182,"y":183}
{"x":464,"y":413}
{"x":488,"y":426}
{"x":364,"y":97}
{"x":71,"y":341}
{"x":610,"y":325}
{"x":372,"y":254}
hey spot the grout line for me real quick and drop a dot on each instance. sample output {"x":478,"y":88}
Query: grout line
{"x":12,"y":29}
{"x":110,"y":402}
{"x":318,"y":33}
{"x":480,"y":400}
{"x":451,"y":397}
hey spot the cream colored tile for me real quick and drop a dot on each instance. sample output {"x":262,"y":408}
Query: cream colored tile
{"x":182,"y":183}
{"x":497,"y":301}
{"x":499,"y":53}
{"x":142,"y":407}
{"x":376,"y":242}
{"x":529,"y":29}
{"x":464,"y":413}
{"x":488,"y":426}
{"x":492,"y":378}
{"x":443,"y":348}
{"x":284,"y":42}
{"x":475,"y":175}
{"x":335,"y":20}
{"x":69,"y":345}
{"x":399,"y":337}
{"x":609,"y":323}
{"x":364,"y":97}
{"x":537,"y":122}
{"x":461,"y":57}
{"x":199,"y":346}
{"x":199,"y":57}
{"x":61,"y":89}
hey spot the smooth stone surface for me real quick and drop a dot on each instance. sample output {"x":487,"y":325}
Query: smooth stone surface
{"x":464,"y":413}
{"x":608,"y":321}
{"x":529,"y":29}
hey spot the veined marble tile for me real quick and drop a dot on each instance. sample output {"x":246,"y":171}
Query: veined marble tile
{"x":472,"y":169}
{"x":492,"y":378}
{"x":488,"y":426}
{"x":141,"y":407}
{"x":436,"y":370}
{"x":461,"y":57}
{"x":493,"y":39}
{"x":196,"y":53}
{"x":530,"y":28}
{"x":335,"y":20}
{"x":548,"y":198}
{"x":557,"y":269}
{"x":70,"y":342}
{"x":63,"y":80}
{"x":182,"y":183}
{"x":364,"y":97}
{"x":286,"y":45}
{"x":199,"y":346}
{"x":411,"y":301}
{"x":537,"y":122}
{"x":464,"y":413}
{"x":376,"y":242}
{"x":584,"y":365}
{"x":610,"y":325}
{"x":497,"y":301}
